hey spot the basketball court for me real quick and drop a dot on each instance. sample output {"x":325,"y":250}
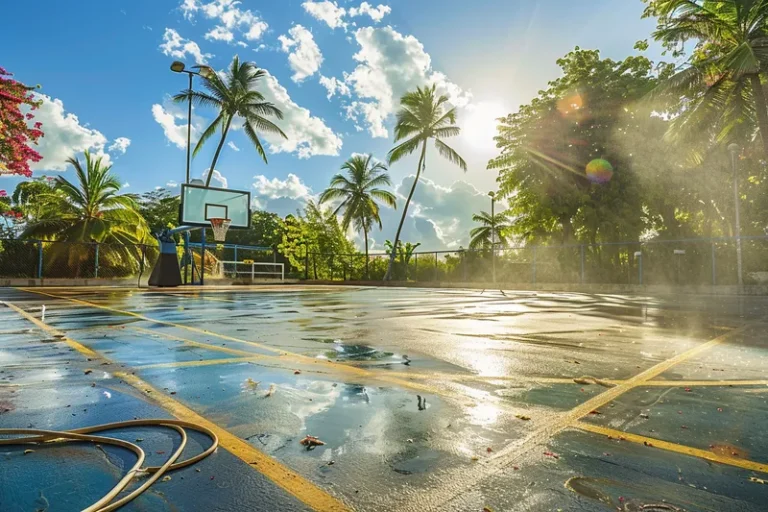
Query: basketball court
{"x":424,"y":399}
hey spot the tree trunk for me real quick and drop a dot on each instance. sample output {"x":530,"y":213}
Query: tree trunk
{"x":365,"y":235}
{"x":218,"y":150}
{"x":760,"y":108}
{"x":392,"y":256}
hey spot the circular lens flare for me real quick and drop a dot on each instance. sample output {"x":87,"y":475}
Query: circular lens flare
{"x":599,"y":171}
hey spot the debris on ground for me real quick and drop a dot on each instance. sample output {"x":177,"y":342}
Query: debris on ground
{"x":166,"y":478}
{"x":271,"y":391}
{"x":758,"y":480}
{"x":489,"y":450}
{"x":644,"y":416}
{"x":311,"y":441}
{"x":27,"y":452}
{"x":88,"y":372}
{"x":251,"y":384}
{"x":551,"y":454}
{"x":522,"y":417}
{"x":409,"y":440}
{"x":297,"y":372}
{"x":588,"y":379}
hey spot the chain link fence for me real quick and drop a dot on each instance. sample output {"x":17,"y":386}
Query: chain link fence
{"x":667,"y":262}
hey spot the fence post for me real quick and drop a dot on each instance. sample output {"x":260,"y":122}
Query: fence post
{"x":332,"y":267}
{"x":640,"y":270}
{"x":202,"y":258}
{"x":306,"y":263}
{"x":582,"y":263}
{"x":714,"y":266}
{"x":96,"y":265}
{"x":534,"y":265}
{"x":415,"y":268}
{"x":464,"y":265}
{"x":435,"y":266}
{"x":235,"y":256}
{"x":39,"y":259}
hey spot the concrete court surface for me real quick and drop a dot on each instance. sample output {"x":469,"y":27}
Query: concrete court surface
{"x":426,"y":399}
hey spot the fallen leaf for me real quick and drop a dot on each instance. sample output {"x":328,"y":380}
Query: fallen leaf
{"x":88,"y":372}
{"x":522,"y":417}
{"x":489,"y":450}
{"x":758,"y":480}
{"x":28,"y":451}
{"x":311,"y":442}
{"x":166,"y":478}
{"x":297,"y":372}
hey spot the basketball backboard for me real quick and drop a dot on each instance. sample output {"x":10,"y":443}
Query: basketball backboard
{"x":199,"y":204}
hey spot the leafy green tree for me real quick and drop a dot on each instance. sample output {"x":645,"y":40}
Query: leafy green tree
{"x":722,"y":85}
{"x":403,"y":254}
{"x":26,"y":195}
{"x":358,"y":192}
{"x":90,"y":211}
{"x":266,"y":231}
{"x":491,"y":228}
{"x":234,"y":95}
{"x":160,"y":209}
{"x":422,"y":116}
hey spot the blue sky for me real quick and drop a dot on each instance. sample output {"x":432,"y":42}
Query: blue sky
{"x":104,"y":68}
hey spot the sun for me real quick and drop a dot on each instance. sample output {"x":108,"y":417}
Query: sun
{"x":478,"y":127}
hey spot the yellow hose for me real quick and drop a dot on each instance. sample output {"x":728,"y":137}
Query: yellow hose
{"x":107,"y":503}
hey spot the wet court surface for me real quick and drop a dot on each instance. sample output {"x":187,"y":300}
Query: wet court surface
{"x":426,"y":399}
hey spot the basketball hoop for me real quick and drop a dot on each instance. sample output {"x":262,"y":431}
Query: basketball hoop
{"x":220,"y":227}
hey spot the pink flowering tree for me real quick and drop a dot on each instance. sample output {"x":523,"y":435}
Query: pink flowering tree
{"x":17,"y":132}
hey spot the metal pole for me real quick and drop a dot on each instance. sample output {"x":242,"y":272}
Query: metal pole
{"x":202,"y":259}
{"x":582,"y":263}
{"x":96,"y":264}
{"x":534,"y":264}
{"x":640,"y":270}
{"x":435,"y":266}
{"x":235,"y":255}
{"x":253,"y":270}
{"x":714,"y":266}
{"x":493,"y":235}
{"x":39,"y":260}
{"x":464,"y":265}
{"x":415,"y":267}
{"x":189,"y":126}
{"x":187,"y":257}
{"x":733,"y":149}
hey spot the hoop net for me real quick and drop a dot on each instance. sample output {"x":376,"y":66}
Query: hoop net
{"x":220,"y":227}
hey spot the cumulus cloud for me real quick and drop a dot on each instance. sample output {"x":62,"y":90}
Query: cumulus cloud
{"x":333,"y":85}
{"x":126,"y":185}
{"x":172,"y":184}
{"x":390,"y":64}
{"x":229,"y":17}
{"x":283,"y":197}
{"x":233,"y":146}
{"x":173,"y":120}
{"x":304,"y":55}
{"x":177,"y":47}
{"x":218,"y":180}
{"x":64,"y":136}
{"x":327,"y":11}
{"x":375,"y":13}
{"x":307,"y":135}
{"x":120,"y":145}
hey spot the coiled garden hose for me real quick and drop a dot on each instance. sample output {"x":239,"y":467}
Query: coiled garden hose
{"x":107,"y":503}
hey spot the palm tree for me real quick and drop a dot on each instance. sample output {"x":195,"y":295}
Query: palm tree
{"x":492,"y":228}
{"x":722,"y":86}
{"x":234,"y":95}
{"x":358,"y":192}
{"x":90,"y":211}
{"x":421,"y":117}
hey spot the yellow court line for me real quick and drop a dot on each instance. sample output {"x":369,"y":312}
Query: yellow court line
{"x":704,"y":383}
{"x":204,"y":362}
{"x":282,"y":476}
{"x":672,"y":447}
{"x":206,"y":346}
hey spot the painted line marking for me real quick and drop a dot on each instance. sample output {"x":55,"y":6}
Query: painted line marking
{"x":672,"y":447}
{"x":282,"y":476}
{"x":189,"y":364}
{"x":186,"y":341}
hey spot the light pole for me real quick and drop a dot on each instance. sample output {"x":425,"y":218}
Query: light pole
{"x":492,"y":195}
{"x":179,"y":67}
{"x":733,"y":149}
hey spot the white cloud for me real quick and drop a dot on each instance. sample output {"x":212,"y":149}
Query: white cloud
{"x":375,"y":13}
{"x":172,"y":184}
{"x":304,"y":55}
{"x":64,"y":136}
{"x":120,"y":145}
{"x":241,"y":43}
{"x":173,"y":119}
{"x":307,"y":135}
{"x":333,"y":85}
{"x":217,"y":177}
{"x":282,"y":197}
{"x":220,"y":33}
{"x":327,"y":11}
{"x":229,"y":17}
{"x":390,"y":65}
{"x":126,"y":185}
{"x":233,"y":146}
{"x":177,"y":47}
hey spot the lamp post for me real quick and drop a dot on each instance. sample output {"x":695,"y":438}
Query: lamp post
{"x":492,"y":195}
{"x":733,"y":149}
{"x":179,"y":67}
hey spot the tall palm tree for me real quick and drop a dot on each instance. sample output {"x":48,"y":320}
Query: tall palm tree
{"x":422,"y":116}
{"x":358,"y":192}
{"x":90,"y":211}
{"x":722,"y":86}
{"x":234,"y":95}
{"x":492,"y":228}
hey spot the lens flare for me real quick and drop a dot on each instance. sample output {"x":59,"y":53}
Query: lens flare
{"x":599,"y":171}
{"x":570,"y":104}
